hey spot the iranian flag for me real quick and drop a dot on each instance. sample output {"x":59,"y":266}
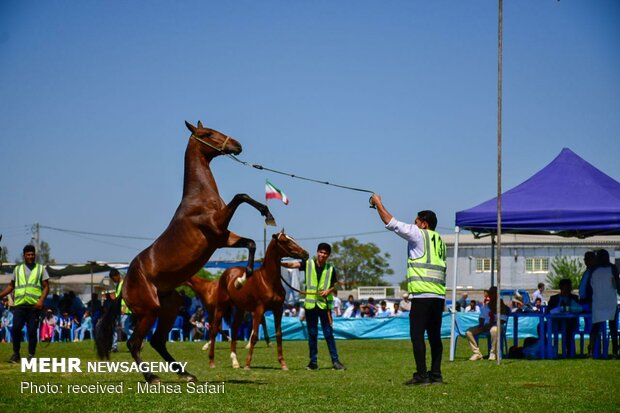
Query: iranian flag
{"x":271,"y":192}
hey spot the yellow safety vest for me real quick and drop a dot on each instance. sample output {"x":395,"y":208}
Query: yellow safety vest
{"x":124,"y":308}
{"x":312,"y":286}
{"x":427,"y":274}
{"x":28,"y":291}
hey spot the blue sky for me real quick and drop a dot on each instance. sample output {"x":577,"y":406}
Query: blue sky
{"x":398,"y":97}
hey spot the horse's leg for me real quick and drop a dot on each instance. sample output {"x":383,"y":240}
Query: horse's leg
{"x":213,"y":327}
{"x":235,"y":241}
{"x":277,"y":319}
{"x":245,"y":198}
{"x":258,"y":314}
{"x":141,"y":296}
{"x":264,"y":324}
{"x":233,"y":342}
{"x":168,"y":310}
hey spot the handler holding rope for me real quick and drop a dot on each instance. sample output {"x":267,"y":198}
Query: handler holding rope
{"x":426,"y":283}
{"x":320,"y":284}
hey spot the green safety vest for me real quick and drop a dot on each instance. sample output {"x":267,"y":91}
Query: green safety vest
{"x":124,"y":308}
{"x":312,"y":286}
{"x":28,"y":291}
{"x":427,"y":274}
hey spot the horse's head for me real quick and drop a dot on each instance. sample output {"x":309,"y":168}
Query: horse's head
{"x":289,"y":246}
{"x":213,"y":140}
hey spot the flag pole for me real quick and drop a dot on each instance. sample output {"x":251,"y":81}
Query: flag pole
{"x":265,"y":234}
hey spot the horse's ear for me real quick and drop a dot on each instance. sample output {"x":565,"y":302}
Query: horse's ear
{"x":191,"y":127}
{"x":199,"y":124}
{"x":275,"y":236}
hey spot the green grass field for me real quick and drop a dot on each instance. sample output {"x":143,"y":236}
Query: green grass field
{"x":373,"y":381}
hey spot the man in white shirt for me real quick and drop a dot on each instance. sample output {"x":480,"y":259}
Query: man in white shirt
{"x":539,"y":293}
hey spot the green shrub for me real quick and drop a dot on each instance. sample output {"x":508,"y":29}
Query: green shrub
{"x":564,"y":267}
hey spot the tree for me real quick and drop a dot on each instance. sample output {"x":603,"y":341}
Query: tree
{"x":44,"y":255}
{"x":360,"y":264}
{"x":564,"y":267}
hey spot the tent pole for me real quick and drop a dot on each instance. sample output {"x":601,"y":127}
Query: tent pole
{"x":453,"y":312}
{"x":498,"y":347}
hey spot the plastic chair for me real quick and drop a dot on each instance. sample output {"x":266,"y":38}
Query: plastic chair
{"x":177,"y":327}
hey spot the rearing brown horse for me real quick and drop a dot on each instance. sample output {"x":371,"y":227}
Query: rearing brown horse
{"x":198,"y":227}
{"x":262,"y":292}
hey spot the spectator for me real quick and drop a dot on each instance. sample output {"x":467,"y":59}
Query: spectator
{"x":472,"y":307}
{"x":396,"y":312}
{"x":605,"y":284}
{"x":539,"y":293}
{"x":353,"y":312}
{"x":6,"y":323}
{"x":462,"y":302}
{"x":86,"y":326}
{"x":486,"y":298}
{"x":368,"y":310}
{"x":383,"y":311}
{"x":198,"y":325}
{"x":405,"y":303}
{"x":537,"y":305}
{"x":350,"y":302}
{"x":300,"y":311}
{"x":48,"y":326}
{"x":565,"y":302}
{"x":487,"y":322}
{"x":65,"y":324}
{"x":337,"y":305}
{"x":585,"y":289}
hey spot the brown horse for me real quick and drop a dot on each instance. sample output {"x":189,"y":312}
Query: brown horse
{"x":206,"y":290}
{"x":198,"y":227}
{"x":262,"y":292}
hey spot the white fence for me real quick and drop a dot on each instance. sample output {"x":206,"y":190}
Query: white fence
{"x":364,"y":293}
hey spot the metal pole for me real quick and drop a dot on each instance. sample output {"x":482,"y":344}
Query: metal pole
{"x":498,"y":348}
{"x":453,"y":313}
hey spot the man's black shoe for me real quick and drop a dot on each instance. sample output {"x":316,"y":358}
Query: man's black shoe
{"x":15,"y":358}
{"x":30,"y":357}
{"x":418,"y":380}
{"x":435,"y":379}
{"x":338,"y":366}
{"x":312,"y":366}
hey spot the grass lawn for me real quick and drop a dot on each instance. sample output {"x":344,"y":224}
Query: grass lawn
{"x":373,"y":381}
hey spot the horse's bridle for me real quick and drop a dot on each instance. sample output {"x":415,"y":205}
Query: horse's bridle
{"x":221,"y":150}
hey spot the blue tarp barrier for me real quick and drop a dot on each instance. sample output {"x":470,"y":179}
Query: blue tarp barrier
{"x":391,"y":328}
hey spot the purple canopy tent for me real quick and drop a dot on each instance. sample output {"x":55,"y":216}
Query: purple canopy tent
{"x":569,"y":197}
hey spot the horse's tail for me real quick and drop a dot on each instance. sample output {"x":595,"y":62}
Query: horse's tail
{"x":104,"y":330}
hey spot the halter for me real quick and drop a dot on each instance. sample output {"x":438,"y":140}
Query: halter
{"x":220,"y":150}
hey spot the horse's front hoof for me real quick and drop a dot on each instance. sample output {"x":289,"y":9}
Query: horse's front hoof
{"x":284,"y":367}
{"x":190,"y":378}
{"x":153,"y":379}
{"x":270,"y":220}
{"x":211,"y":364}
{"x":247,"y":368}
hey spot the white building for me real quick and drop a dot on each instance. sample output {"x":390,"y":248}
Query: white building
{"x":526,"y":259}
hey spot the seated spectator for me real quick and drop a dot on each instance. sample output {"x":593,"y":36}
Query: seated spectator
{"x":198,"y":325}
{"x":462,"y":303}
{"x":485,"y":294}
{"x":288,"y":310}
{"x":350,"y":302}
{"x":353,"y":312}
{"x":369,"y":309}
{"x":86,"y":326}
{"x":295,"y":309}
{"x":405,"y":303}
{"x":383,"y":311}
{"x":48,"y":326}
{"x":396,"y":312}
{"x":565,"y":302}
{"x":487,"y":322}
{"x":472,"y":307}
{"x":537,"y":305}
